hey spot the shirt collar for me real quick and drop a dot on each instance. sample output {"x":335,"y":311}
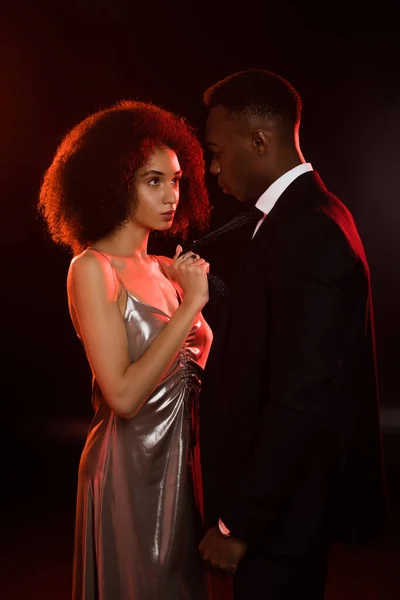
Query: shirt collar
{"x":267,"y":200}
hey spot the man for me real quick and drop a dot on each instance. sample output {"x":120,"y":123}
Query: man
{"x":289,"y":422}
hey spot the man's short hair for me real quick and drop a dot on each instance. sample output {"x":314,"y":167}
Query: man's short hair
{"x":256,"y":93}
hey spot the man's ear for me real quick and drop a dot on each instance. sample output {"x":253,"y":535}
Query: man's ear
{"x":260,"y":141}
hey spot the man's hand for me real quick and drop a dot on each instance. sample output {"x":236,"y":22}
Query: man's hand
{"x":221,"y":553}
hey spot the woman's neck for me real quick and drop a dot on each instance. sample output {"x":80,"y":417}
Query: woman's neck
{"x":127,"y":242}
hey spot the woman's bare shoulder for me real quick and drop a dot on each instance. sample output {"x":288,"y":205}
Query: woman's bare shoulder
{"x":92,"y":273}
{"x":85,"y":265}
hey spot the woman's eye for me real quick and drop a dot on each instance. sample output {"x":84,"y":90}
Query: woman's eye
{"x":176,"y":180}
{"x":154,"y":181}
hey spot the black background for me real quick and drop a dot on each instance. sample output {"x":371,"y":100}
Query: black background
{"x":61,"y":61}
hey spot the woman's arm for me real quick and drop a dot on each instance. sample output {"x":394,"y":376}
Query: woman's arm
{"x":93,"y":297}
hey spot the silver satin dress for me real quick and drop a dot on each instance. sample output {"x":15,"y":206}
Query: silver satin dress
{"x":138,"y":524}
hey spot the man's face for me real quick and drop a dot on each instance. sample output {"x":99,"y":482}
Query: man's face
{"x":234,"y":159}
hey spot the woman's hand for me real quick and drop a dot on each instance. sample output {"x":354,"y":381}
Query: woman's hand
{"x":191,"y":273}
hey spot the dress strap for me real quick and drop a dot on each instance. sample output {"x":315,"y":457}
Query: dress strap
{"x":117,"y":275}
{"x":167,"y":275}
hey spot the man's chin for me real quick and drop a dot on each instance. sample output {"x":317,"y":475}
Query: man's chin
{"x":249,"y":202}
{"x":235,"y":196}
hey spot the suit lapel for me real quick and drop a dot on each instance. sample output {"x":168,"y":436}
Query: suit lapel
{"x":248,"y":292}
{"x":288,"y":204}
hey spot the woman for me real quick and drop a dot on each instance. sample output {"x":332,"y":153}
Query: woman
{"x":114,"y":178}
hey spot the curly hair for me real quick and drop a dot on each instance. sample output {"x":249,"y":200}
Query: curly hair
{"x":256,"y":92}
{"x":89,"y":189}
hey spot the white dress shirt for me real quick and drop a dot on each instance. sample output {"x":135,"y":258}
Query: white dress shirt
{"x":267,"y":201}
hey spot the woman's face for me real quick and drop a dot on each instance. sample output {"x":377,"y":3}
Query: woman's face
{"x":157,"y":190}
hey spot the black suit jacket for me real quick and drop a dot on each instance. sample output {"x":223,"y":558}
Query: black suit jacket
{"x":289,"y":416}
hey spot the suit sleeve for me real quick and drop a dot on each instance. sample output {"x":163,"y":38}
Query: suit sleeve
{"x":307,"y":298}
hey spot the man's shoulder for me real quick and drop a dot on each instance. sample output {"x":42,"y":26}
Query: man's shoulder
{"x":322,"y":235}
{"x":322,"y":215}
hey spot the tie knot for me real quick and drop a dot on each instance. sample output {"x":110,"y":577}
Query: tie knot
{"x":258,"y":213}
{"x":255,"y":214}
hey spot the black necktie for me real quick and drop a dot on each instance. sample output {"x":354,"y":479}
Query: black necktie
{"x":246,"y":218}
{"x":217,"y":287}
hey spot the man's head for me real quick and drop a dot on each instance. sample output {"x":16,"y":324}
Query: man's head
{"x":252,"y":131}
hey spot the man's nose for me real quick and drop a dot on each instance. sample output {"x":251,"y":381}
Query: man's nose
{"x":214,"y":167}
